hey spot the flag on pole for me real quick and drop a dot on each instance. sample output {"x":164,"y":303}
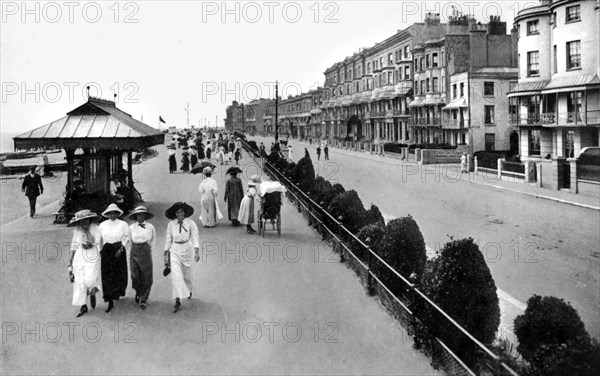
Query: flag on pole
{"x":161,"y":119}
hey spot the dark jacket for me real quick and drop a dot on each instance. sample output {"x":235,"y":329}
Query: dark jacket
{"x":32,"y":185}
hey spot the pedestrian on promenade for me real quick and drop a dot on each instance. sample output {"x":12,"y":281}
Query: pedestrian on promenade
{"x":208,"y":150}
{"x":221,"y":154}
{"x":290,"y":159}
{"x":193,"y":156}
{"x":209,"y":208}
{"x":45,"y":166}
{"x":318,"y":153}
{"x":200,"y":152}
{"x":246,"y":215}
{"x":234,"y":193}
{"x":463,"y":163}
{"x":143,"y":239}
{"x":238,"y":156}
{"x":185,"y":160}
{"x":182,"y":239}
{"x":115,"y":242}
{"x":172,"y":160}
{"x":32,"y":187}
{"x":84,"y":263}
{"x":326,"y":150}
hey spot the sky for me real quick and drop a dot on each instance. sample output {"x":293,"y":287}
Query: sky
{"x":160,"y":56}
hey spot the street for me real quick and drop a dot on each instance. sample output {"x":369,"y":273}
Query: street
{"x":532,"y":246}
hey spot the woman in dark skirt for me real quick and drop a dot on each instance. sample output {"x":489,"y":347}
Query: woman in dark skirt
{"x":172,"y":160}
{"x":116,"y":241}
{"x":193,"y":157}
{"x":143,"y":239}
{"x":185,"y":160}
{"x":200,"y":151}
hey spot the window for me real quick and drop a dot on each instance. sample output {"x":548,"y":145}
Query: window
{"x":488,"y":88}
{"x":390,"y":79}
{"x":407,"y":73}
{"x":569,"y":143}
{"x":423,"y":87}
{"x":434,"y":59}
{"x":553,"y":19}
{"x":574,"y":54}
{"x":454,"y":91}
{"x":390,"y":59}
{"x":554,"y":60}
{"x":574,"y":106}
{"x":489,"y":115}
{"x":434,"y":85}
{"x":368,"y":68}
{"x":427,"y":85}
{"x":462,"y":89}
{"x":406,"y":51}
{"x":421,"y":62}
{"x":533,"y":63}
{"x":534,"y":142}
{"x":533,"y":27}
{"x":573,"y":13}
{"x":443,"y":61}
{"x":427,"y":65}
{"x":416,"y":65}
{"x":490,"y":142}
{"x":381,"y":62}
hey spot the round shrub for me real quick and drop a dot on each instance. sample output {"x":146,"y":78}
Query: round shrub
{"x":371,"y":235}
{"x":374,"y":216}
{"x":460,"y":283}
{"x":350,"y":207}
{"x":552,"y":337}
{"x":403,"y":246}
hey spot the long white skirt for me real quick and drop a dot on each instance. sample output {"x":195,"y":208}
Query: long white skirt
{"x":182,"y":256}
{"x":86,"y":269}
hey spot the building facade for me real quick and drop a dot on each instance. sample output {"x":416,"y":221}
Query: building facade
{"x":556,"y":102}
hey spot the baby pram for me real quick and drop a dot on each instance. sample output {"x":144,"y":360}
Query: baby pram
{"x":270,"y":206}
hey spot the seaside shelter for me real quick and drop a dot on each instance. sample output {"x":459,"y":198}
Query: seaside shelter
{"x":97,"y":138}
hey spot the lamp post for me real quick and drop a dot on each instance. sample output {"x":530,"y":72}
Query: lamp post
{"x":276,"y":112}
{"x":187,"y":110}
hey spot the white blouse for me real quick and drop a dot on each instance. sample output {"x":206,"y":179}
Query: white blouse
{"x":85,"y":256}
{"x":115,"y":231}
{"x":188,"y":232}
{"x":208,"y":184}
{"x":146,"y":234}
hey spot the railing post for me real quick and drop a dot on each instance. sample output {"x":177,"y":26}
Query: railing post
{"x":342,"y":257}
{"x":370,"y":287}
{"x":476,"y":165}
{"x":500,"y":161}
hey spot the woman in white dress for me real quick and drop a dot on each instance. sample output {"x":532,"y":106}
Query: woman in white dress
{"x":115,"y":243}
{"x":84,"y":263}
{"x":209,"y":208}
{"x":246,"y":215}
{"x":182,"y":239}
{"x":143,"y":239}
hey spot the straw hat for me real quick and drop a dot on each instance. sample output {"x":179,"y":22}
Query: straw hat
{"x":254,"y":180}
{"x":207,"y":170}
{"x":81,"y":215}
{"x":170,"y":213}
{"x":141,"y":209}
{"x":112,"y":208}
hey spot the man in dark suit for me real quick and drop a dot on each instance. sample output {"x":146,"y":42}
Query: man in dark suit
{"x":32,"y":187}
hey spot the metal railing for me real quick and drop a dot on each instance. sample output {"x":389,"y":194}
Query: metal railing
{"x":321,"y":219}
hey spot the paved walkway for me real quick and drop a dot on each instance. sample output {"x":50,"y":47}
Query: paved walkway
{"x":260,"y":306}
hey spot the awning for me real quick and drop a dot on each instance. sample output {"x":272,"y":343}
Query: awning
{"x":402,"y":90}
{"x":527,"y":88}
{"x":315,"y":111}
{"x":433,"y":100}
{"x":416,"y":102}
{"x":455,"y":104}
{"x":571,"y":83}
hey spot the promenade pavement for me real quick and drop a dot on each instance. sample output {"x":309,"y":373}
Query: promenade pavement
{"x":260,"y":305}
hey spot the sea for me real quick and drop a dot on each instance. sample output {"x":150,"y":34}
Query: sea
{"x":6,"y":141}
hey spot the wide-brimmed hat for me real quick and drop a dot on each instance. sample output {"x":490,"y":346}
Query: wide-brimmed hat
{"x":207,"y":170}
{"x":254,"y":180}
{"x":234,"y":170}
{"x":81,"y":215}
{"x":141,"y":209}
{"x":112,"y":208}
{"x":170,"y":213}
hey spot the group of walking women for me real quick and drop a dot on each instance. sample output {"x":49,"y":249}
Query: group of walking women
{"x":100,"y":250}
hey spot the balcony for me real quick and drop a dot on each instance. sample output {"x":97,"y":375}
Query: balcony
{"x":399,"y":112}
{"x":454,"y":124}
{"x":550,"y":119}
{"x":425,"y":122}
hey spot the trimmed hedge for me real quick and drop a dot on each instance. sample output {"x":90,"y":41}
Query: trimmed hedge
{"x":553,"y":339}
{"x":349,"y":206}
{"x":460,"y":283}
{"x":371,"y":235}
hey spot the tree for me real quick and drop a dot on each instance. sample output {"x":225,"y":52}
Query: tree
{"x":349,"y":206}
{"x":371,"y":235}
{"x":374,"y":216}
{"x":305,"y":172}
